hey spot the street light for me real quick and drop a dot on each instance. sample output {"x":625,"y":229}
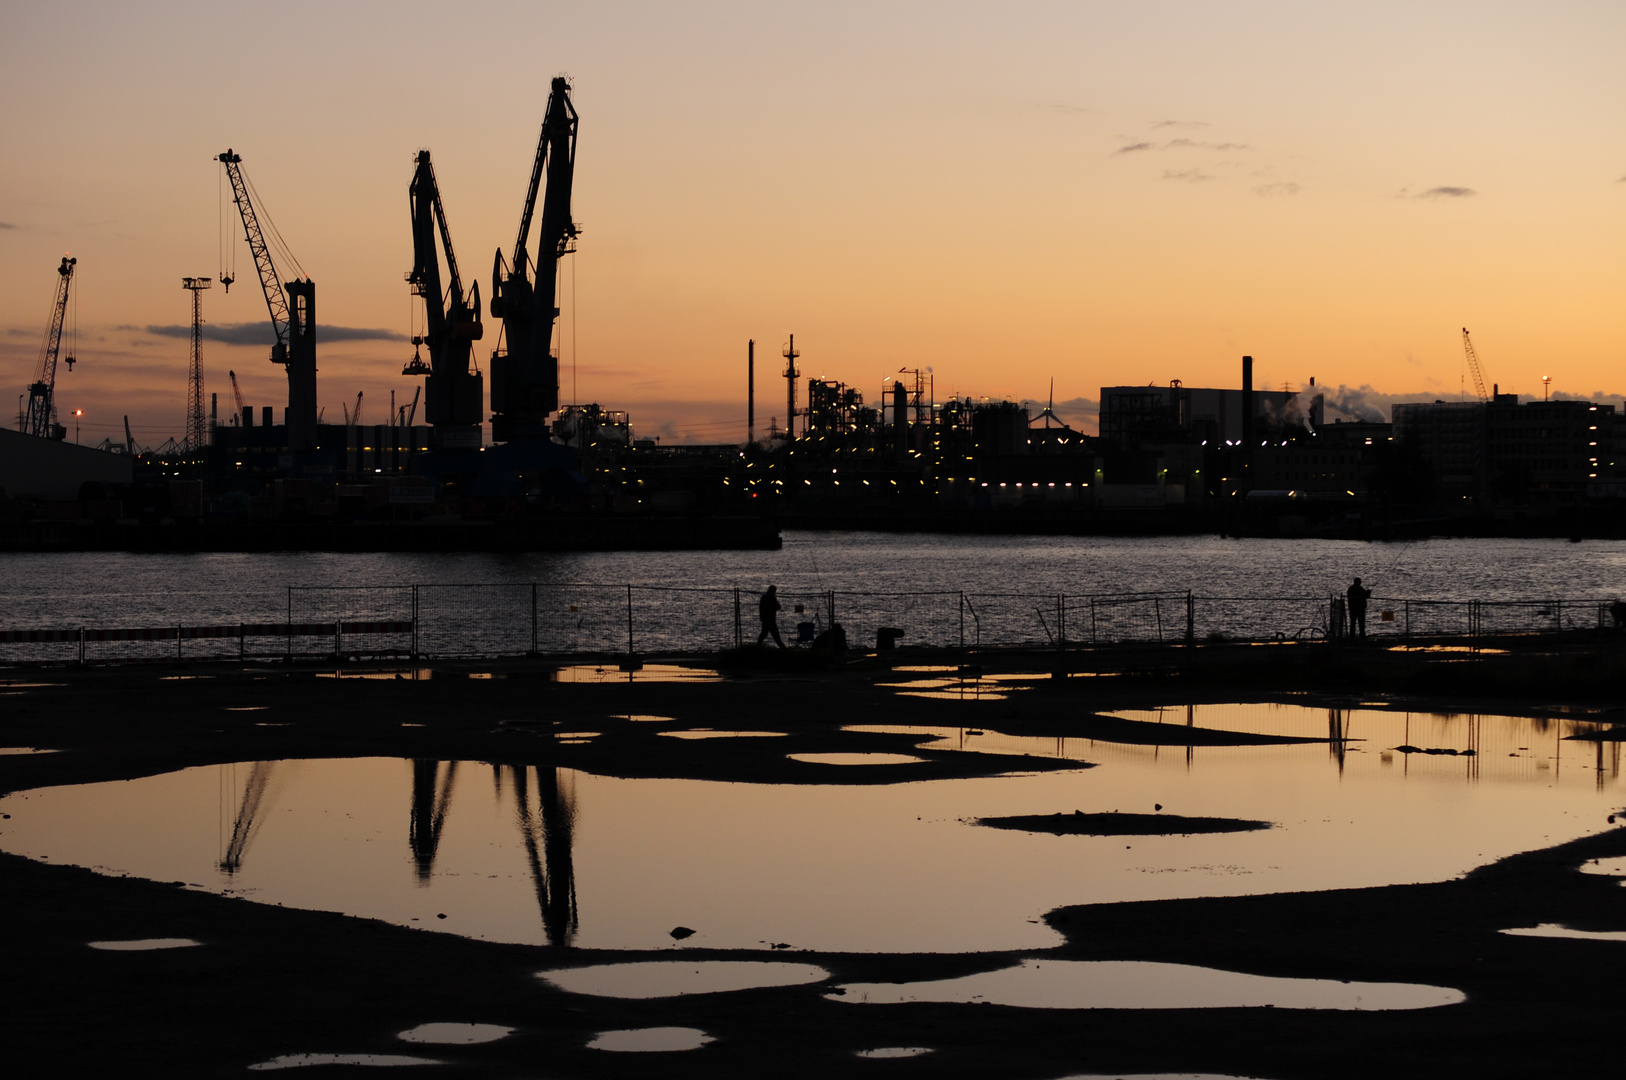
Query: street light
{"x":1546,"y":381}
{"x":77,"y":413}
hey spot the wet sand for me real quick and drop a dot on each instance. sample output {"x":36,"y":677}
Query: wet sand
{"x":268,"y":981}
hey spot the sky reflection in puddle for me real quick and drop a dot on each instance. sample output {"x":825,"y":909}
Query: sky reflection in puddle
{"x":845,"y":758}
{"x":894,"y":1052}
{"x":706,"y":733}
{"x":455,"y":1034}
{"x":675,"y":978}
{"x":1122,"y":984}
{"x":1555,"y":930}
{"x":537,"y":855}
{"x":144,"y":944}
{"x":304,"y":1061}
{"x":650,"y":1040}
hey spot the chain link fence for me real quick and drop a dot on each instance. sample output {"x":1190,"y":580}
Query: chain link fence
{"x":589,"y":619}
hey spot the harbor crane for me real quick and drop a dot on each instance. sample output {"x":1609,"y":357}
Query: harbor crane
{"x":525,"y":378}
{"x":454,"y":390}
{"x":1473,"y":366}
{"x":197,"y":432}
{"x":40,"y":419}
{"x":293,"y":317}
{"x":238,"y":396}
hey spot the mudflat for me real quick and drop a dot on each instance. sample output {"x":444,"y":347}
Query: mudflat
{"x":266,"y":984}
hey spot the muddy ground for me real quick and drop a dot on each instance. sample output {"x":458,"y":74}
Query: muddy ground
{"x":271,"y":981}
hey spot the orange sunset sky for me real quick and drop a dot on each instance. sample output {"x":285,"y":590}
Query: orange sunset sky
{"x":1098,"y":194}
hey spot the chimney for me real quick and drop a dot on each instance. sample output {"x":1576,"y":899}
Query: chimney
{"x":1247,"y":401}
{"x":265,"y":415}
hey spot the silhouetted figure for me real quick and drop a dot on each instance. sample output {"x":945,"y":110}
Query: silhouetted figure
{"x":833,"y":641}
{"x":768,"y":610}
{"x":1357,"y":609}
{"x":1617,"y":612}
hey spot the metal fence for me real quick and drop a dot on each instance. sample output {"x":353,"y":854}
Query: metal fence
{"x":587,"y":619}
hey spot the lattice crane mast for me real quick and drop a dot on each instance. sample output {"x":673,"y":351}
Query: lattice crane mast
{"x":1473,"y":366}
{"x":454,"y":390}
{"x":197,"y":432}
{"x":525,"y":379}
{"x":293,"y":317}
{"x":41,"y":417}
{"x":237,"y":394}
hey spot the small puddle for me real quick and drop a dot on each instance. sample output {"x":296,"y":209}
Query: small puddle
{"x":645,"y":718}
{"x":592,"y":673}
{"x":650,"y":1040}
{"x":412,"y":675}
{"x":674,"y":978}
{"x":6,"y":750}
{"x":856,"y":759}
{"x":895,"y":1052}
{"x":448,"y":1034}
{"x":1119,"y":984}
{"x":1606,"y":867}
{"x":144,"y":944}
{"x":583,"y":735}
{"x":1555,"y":930}
{"x":303,"y":1061}
{"x":247,"y":708}
{"x":705,"y":733}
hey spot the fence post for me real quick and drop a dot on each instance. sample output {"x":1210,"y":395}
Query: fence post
{"x":1157,"y":610}
{"x":242,"y":643}
{"x":629,"y":621}
{"x":81,"y":646}
{"x":177,"y":643}
{"x":288,"y":627}
{"x":830,"y":606}
{"x":1093,"y":641}
{"x":1191,"y":620}
{"x":739,"y":631}
{"x":1061,"y":622}
{"x":533,"y":618}
{"x":414,"y":622}
{"x":962,"y":618}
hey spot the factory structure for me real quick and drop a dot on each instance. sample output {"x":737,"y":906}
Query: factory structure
{"x":1165,"y":458}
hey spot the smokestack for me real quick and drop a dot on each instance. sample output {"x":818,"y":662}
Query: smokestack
{"x":1247,"y":401}
{"x":750,"y":392}
{"x":900,"y":412}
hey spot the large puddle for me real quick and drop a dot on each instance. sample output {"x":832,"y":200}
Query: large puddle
{"x":542,"y":855}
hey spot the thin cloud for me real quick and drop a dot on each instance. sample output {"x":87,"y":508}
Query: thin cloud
{"x":1622,"y":180}
{"x":1447,"y":193}
{"x":1063,"y":107}
{"x":6,"y":225}
{"x":1270,"y":190}
{"x":1193,"y":144}
{"x":1132,"y":147}
{"x":259,"y":333}
{"x":1180,"y":123}
{"x":1192,"y":176}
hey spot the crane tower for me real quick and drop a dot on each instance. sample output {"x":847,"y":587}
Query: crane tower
{"x":197,"y":435}
{"x":1473,"y":366}
{"x":41,"y":418}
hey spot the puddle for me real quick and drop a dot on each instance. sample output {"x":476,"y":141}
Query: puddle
{"x":856,"y":759}
{"x":405,"y":674}
{"x":673,"y":978}
{"x":144,"y":944}
{"x":1555,"y":930}
{"x":247,"y":708}
{"x":182,"y":678}
{"x":1607,"y":867}
{"x":580,"y":736}
{"x":446,"y":1034}
{"x":540,"y":855}
{"x":651,"y":673}
{"x":642,"y":718}
{"x":1121,"y":984}
{"x":302,"y":1061}
{"x":894,"y":1052}
{"x":706,"y":733}
{"x":5,"y":750}
{"x":649,"y":1040}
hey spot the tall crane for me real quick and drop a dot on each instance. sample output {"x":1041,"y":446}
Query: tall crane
{"x":41,"y":417}
{"x":525,"y":379}
{"x":293,"y":317}
{"x":1473,"y":365}
{"x":455,"y":392}
{"x":197,"y":434}
{"x":238,"y":395}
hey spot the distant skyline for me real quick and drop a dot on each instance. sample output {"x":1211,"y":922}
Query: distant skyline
{"x":1102,"y":194}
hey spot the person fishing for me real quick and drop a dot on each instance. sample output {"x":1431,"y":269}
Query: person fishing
{"x":768,"y":610}
{"x":1357,"y":609}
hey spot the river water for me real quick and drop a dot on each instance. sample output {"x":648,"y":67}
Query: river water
{"x":135,"y":590}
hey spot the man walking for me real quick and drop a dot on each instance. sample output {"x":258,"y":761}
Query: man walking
{"x":1357,"y":609}
{"x":768,"y":609}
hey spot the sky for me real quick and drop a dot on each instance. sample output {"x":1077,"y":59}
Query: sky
{"x":1090,"y":193}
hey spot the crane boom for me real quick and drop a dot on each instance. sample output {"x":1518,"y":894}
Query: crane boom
{"x":525,"y":380}
{"x":41,"y":418}
{"x":236,"y":393}
{"x":293,"y":316}
{"x":1473,"y":365}
{"x":455,"y":392}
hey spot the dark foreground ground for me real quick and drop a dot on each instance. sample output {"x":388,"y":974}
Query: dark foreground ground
{"x":270,"y":981}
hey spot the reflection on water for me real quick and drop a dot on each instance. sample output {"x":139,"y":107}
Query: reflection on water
{"x":305,"y":1061}
{"x":895,"y":1052}
{"x":1131,"y":984}
{"x":455,"y":1034}
{"x":674,"y":978}
{"x":650,"y":1040}
{"x":143,"y":944}
{"x":1555,"y":930}
{"x":539,"y":855}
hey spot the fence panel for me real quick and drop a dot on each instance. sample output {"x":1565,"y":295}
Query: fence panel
{"x":927,"y":619}
{"x":668,"y":620}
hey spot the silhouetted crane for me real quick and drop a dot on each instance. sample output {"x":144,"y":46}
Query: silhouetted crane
{"x":1473,"y":365}
{"x":41,"y":417}
{"x":455,"y":392}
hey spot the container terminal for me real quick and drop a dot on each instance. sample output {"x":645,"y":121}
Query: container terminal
{"x":1165,"y":459}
